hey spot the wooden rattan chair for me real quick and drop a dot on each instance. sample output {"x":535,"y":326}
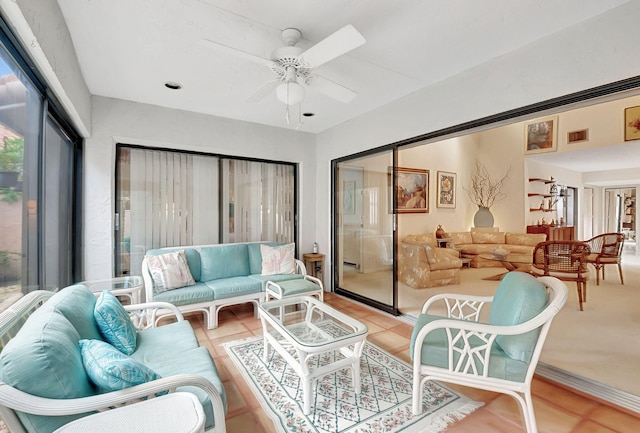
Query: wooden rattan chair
{"x":606,"y":249}
{"x":565,"y":260}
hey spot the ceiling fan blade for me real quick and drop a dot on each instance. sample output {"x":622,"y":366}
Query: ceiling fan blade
{"x":263,"y":91}
{"x":331,"y":89}
{"x":238,"y":53}
{"x":334,"y":45}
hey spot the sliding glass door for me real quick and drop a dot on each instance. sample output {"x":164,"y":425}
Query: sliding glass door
{"x":168,"y":198}
{"x":364,"y":230}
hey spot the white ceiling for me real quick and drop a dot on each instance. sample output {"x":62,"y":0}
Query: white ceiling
{"x":128,"y":49}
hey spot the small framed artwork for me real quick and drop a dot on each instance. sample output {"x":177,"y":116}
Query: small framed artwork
{"x":578,"y":136}
{"x":632,"y":123}
{"x":541,"y":135}
{"x":412,"y":190}
{"x":446,"y":189}
{"x":349,"y":203}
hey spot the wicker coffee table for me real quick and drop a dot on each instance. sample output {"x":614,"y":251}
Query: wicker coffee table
{"x":300,"y":328}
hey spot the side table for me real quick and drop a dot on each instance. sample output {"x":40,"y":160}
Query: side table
{"x":442,"y":242}
{"x":315,"y":265}
{"x":128,"y":287}
{"x":178,"y":412}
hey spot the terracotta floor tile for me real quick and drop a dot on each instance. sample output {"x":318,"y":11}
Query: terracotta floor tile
{"x":482,"y":421}
{"x":373,"y":327}
{"x":618,"y":421}
{"x":235,"y":401}
{"x":388,"y":340}
{"x":591,"y":427}
{"x":231,"y":328}
{"x":505,"y":407}
{"x":382,"y":320}
{"x":245,"y":422}
{"x":569,"y":400}
{"x":403,"y":329}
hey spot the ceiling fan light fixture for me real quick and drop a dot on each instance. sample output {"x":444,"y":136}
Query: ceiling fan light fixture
{"x":290,"y":93}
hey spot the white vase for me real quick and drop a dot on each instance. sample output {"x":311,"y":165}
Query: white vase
{"x":483,"y":217}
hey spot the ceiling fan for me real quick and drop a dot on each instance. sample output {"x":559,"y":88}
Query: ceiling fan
{"x":294,"y":66}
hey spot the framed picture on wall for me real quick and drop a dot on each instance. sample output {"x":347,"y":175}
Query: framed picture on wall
{"x":632,"y":123}
{"x":447,"y":183}
{"x":540,"y":135}
{"x":412,"y":190}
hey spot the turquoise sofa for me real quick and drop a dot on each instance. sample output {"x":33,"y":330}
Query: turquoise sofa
{"x":224,"y":274}
{"x":45,"y":383}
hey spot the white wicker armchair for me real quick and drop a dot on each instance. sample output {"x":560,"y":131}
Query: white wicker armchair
{"x":459,"y":349}
{"x":144,"y":316}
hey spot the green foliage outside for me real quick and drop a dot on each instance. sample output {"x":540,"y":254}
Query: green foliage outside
{"x":11,"y":159}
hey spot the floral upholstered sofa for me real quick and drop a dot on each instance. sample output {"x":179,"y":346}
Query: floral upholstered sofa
{"x":422,"y":264}
{"x":474,"y":242}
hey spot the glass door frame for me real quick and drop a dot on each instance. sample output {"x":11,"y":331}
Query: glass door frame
{"x":335,"y":230}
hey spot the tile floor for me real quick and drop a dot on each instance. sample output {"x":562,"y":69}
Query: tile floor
{"x":558,"y":410}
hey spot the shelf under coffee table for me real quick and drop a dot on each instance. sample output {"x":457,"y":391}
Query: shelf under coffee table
{"x":300,"y":328}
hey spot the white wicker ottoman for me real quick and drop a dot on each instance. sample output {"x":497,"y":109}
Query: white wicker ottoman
{"x":178,"y":412}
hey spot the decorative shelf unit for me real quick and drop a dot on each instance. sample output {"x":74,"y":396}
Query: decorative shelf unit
{"x":565,"y":233}
{"x":540,"y":195}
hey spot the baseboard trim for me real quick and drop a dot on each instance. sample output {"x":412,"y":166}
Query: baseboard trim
{"x":590,"y":387}
{"x":581,"y":384}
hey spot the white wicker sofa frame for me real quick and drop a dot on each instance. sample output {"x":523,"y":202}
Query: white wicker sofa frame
{"x":144,"y":316}
{"x":233,"y":278}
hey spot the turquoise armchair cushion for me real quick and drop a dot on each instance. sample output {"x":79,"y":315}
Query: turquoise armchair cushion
{"x":435,"y":352}
{"x":224,"y":261}
{"x":188,"y":295}
{"x":519,"y":298}
{"x":195,"y":361}
{"x":114,"y":323}
{"x":234,"y":286}
{"x":276,"y":278}
{"x":111,"y":370}
{"x":76,"y":303}
{"x":44,"y":360}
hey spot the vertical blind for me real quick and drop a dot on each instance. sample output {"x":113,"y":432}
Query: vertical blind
{"x":168,"y":198}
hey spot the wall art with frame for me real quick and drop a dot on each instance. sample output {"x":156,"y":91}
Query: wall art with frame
{"x":412,"y":190}
{"x":632,"y":123}
{"x":540,"y":135}
{"x":446,"y":191}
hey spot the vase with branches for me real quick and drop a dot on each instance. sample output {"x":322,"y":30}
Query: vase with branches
{"x":484,"y":191}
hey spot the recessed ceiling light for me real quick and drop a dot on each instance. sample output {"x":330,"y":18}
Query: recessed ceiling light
{"x":308,"y":114}
{"x":173,"y":85}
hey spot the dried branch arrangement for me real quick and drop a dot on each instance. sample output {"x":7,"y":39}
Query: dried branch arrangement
{"x":484,"y":191}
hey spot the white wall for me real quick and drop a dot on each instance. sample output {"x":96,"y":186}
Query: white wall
{"x":132,"y":123}
{"x":590,"y":54}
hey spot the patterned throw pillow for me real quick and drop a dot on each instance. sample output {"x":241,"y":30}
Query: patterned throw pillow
{"x":278,"y":260}
{"x":111,"y":370}
{"x":114,"y":323}
{"x":170,"y":271}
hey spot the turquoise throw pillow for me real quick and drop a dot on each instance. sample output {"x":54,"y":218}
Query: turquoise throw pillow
{"x":111,"y":370}
{"x":114,"y":323}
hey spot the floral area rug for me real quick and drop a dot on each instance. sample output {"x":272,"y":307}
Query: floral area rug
{"x":384,"y":405}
